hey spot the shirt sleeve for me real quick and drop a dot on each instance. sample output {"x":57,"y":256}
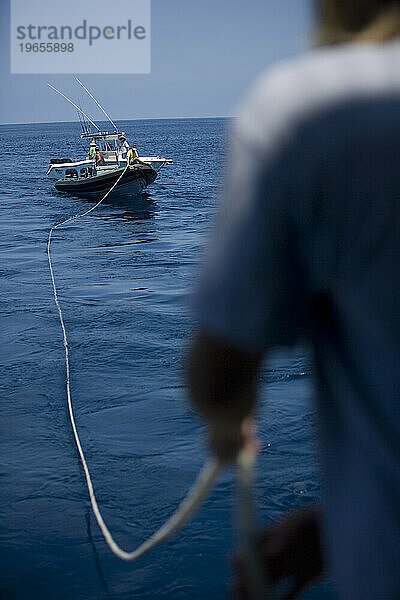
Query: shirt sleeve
{"x":252,"y":289}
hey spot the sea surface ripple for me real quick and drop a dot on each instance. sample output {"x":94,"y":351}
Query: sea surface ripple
{"x":124,"y":276}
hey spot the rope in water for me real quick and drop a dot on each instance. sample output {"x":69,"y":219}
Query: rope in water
{"x":205,"y":479}
{"x":200,"y":489}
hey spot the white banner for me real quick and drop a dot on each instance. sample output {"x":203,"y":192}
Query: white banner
{"x":75,"y":36}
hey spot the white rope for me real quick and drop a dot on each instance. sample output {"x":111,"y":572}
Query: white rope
{"x":200,"y":489}
{"x":255,"y":573}
{"x":204,"y":482}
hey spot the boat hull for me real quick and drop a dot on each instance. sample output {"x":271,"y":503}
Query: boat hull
{"x":134,"y":181}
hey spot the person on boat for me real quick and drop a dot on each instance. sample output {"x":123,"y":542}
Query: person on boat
{"x":307,"y":248}
{"x":124,"y":147}
{"x":99,"y":157}
{"x":133,"y":156}
{"x":92,"y":150}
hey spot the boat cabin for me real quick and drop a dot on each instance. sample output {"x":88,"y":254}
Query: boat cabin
{"x":108,"y":144}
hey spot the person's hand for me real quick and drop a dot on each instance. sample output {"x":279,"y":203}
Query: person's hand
{"x":291,"y":551}
{"x":222,"y":385}
{"x":227,"y":439}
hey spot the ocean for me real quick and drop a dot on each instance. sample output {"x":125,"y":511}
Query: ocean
{"x":124,"y":276}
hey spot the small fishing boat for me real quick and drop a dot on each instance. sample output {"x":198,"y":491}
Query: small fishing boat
{"x":108,"y":165}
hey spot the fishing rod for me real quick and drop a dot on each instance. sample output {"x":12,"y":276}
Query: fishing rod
{"x":98,"y":104}
{"x":81,"y":121}
{"x":73,"y":104}
{"x":83,"y":128}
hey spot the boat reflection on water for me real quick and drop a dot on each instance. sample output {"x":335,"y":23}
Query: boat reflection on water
{"x":141,"y":206}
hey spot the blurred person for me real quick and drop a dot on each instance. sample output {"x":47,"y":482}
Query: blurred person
{"x":124,"y":146}
{"x":307,"y":247}
{"x":92,"y":150}
{"x":132,"y":155}
{"x":99,"y":157}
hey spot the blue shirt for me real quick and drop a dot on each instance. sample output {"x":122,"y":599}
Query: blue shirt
{"x":307,"y":245}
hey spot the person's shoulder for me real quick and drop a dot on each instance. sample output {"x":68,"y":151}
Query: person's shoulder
{"x":299,"y":87}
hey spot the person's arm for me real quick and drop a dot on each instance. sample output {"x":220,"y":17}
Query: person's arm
{"x":222,"y":385}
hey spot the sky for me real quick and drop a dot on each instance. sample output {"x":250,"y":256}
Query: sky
{"x":204,"y":56}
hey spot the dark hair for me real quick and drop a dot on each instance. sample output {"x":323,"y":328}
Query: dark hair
{"x":344,"y":20}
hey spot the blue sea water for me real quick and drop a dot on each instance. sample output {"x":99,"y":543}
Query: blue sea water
{"x":124,"y":276}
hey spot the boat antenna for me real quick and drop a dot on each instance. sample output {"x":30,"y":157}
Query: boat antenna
{"x":73,"y":104}
{"x":98,"y":104}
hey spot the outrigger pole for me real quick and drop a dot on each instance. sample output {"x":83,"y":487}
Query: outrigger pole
{"x":73,"y":104}
{"x":98,"y":104}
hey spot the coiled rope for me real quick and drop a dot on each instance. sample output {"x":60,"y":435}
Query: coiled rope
{"x":200,"y":489}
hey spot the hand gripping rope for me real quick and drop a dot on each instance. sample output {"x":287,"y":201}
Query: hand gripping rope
{"x":200,"y":489}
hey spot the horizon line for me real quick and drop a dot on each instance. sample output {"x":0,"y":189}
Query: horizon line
{"x":138,"y":119}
